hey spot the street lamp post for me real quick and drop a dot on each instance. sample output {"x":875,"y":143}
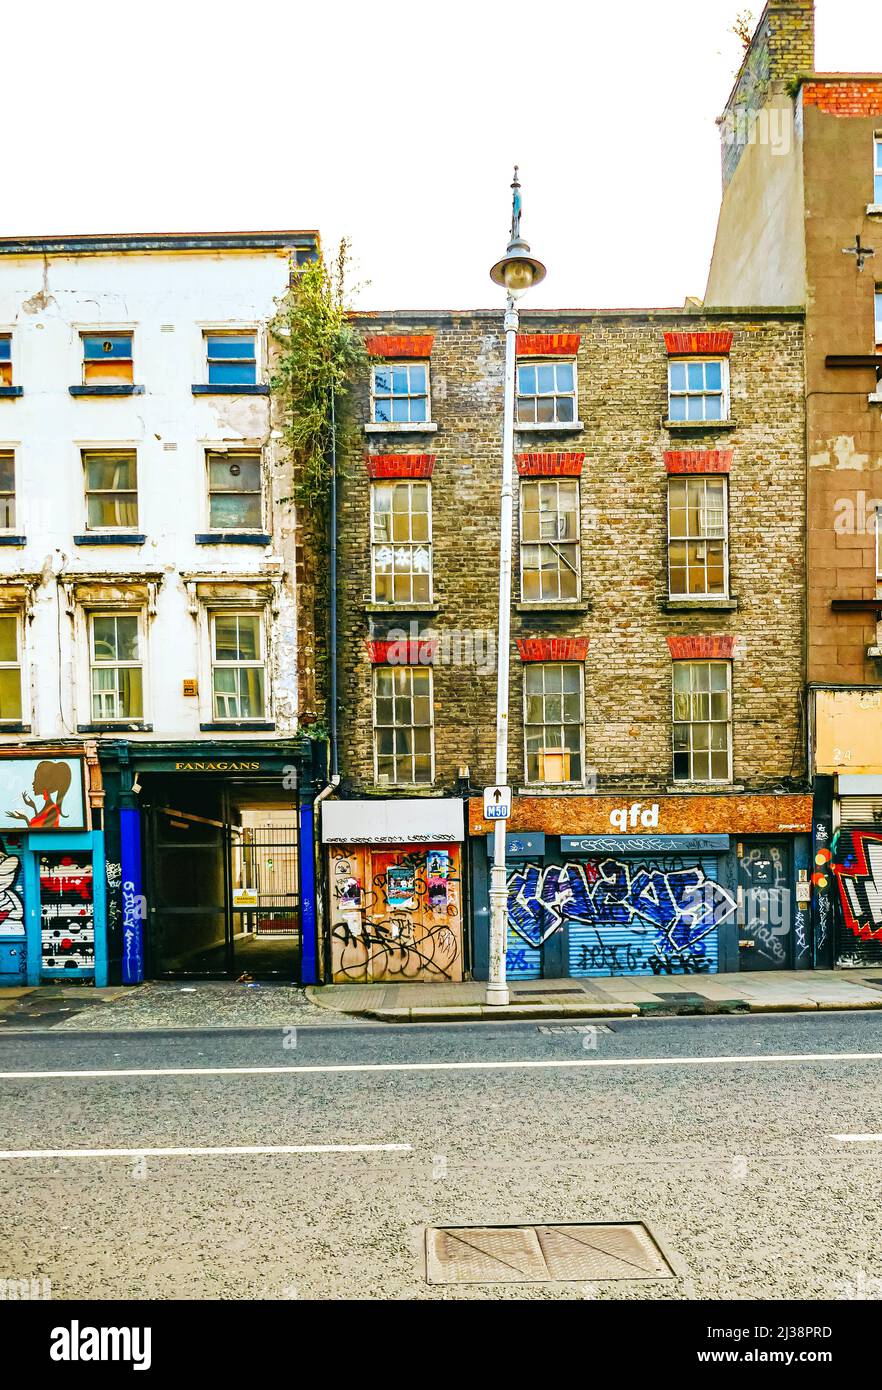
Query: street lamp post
{"x":517,"y":271}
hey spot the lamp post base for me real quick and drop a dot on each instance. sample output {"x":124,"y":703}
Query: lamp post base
{"x":497,"y":994}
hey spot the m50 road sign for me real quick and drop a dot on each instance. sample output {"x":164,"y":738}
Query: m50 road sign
{"x":497,"y":803}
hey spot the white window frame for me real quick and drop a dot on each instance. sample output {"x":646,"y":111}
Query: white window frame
{"x":8,"y":451}
{"x":704,"y":395}
{"x":376,"y":727}
{"x":878,"y":529}
{"x":576,"y":541}
{"x":109,"y":450}
{"x":228,"y":330}
{"x":692,"y":723}
{"x":391,"y":365}
{"x":19,"y":665}
{"x":555,"y":395}
{"x":105,"y":330}
{"x":543,"y":666}
{"x":7,"y":333}
{"x":229,"y":611}
{"x":877,"y":169}
{"x":117,"y":612}
{"x":877,"y":315}
{"x":686,"y":540}
{"x":377,"y":545}
{"x":213,"y":451}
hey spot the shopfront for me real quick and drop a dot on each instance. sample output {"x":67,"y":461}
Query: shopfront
{"x":672,"y":885}
{"x":52,"y":881}
{"x":395,"y":892}
{"x":213,"y":867}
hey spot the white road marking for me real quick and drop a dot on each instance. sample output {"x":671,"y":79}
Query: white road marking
{"x":191,"y":1151}
{"x":858,"y":1138}
{"x":556,"y":1064}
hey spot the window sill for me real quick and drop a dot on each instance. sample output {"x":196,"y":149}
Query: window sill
{"x":401,"y":427}
{"x":402,"y":607}
{"x":874,"y":209}
{"x":110,"y":538}
{"x":242,"y":726}
{"x":876,"y":398}
{"x":554,"y":789}
{"x":412,"y":788}
{"x":9,"y":726}
{"x":106,"y":390}
{"x":10,"y":393}
{"x":561,"y":606}
{"x":692,"y":605}
{"x":235,"y":388}
{"x":699,"y":426}
{"x":13,"y":540}
{"x":550,"y":427}
{"x":233,"y":538}
{"x":122,"y":726}
{"x":702,"y":788}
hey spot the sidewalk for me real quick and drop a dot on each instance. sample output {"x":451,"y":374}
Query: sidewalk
{"x":620,"y":996}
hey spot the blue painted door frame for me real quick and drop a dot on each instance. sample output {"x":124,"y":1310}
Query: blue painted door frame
{"x":91,"y":842}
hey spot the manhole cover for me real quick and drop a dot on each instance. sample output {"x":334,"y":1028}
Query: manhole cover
{"x":542,"y":1254}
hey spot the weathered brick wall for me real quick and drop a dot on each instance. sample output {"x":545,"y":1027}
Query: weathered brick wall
{"x":783,"y":45}
{"x":622,"y":387}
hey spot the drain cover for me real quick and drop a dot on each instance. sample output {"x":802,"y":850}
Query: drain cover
{"x":542,"y":1254}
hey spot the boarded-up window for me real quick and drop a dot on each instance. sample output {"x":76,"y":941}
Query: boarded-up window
{"x":107,"y":359}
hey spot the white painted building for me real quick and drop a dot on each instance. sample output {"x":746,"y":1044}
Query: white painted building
{"x":147,"y":537}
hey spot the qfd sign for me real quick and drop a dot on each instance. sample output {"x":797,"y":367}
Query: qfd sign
{"x":497,"y":803}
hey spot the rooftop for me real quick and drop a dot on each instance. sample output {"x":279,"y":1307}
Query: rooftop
{"x":104,"y":242}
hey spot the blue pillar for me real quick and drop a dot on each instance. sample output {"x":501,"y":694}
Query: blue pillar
{"x":33,"y":923}
{"x":132,"y":896}
{"x":308,"y":943}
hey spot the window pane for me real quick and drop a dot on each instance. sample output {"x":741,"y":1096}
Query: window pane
{"x":226,"y":511}
{"x":8,"y":639}
{"x":527,"y":381}
{"x":695,"y":376}
{"x":566,"y":408}
{"x":234,"y":473}
{"x":418,"y":381}
{"x":232,"y":373}
{"x":249,"y":637}
{"x":399,"y":381}
{"x":10,"y":693}
{"x":5,"y":349}
{"x":564,"y":376}
{"x":713,"y":407}
{"x":230,"y":345}
{"x":678,"y":376}
{"x":251,"y":692}
{"x":114,"y":511}
{"x":418,"y":409}
{"x":131,"y":699}
{"x":104,"y":639}
{"x":382,"y":380}
{"x":226,"y":645}
{"x":678,"y":407}
{"x":127,"y":638}
{"x":104,"y":345}
{"x":713,"y":376}
{"x":110,"y":472}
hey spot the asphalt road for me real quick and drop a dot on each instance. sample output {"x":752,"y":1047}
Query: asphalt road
{"x":734,"y":1163}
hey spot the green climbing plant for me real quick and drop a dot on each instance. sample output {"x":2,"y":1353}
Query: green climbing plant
{"x":319,"y":358}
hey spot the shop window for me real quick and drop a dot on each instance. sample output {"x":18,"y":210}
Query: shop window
{"x":116,"y":669}
{"x":7,"y":490}
{"x":697,"y":542}
{"x":401,"y":542}
{"x":400,"y":393}
{"x":107,"y":359}
{"x":698,"y":390}
{"x":235,"y":498}
{"x":550,"y":558}
{"x":237,"y":666}
{"x":702,"y":721}
{"x":10,"y":668}
{"x":111,"y":489}
{"x":546,"y":393}
{"x":403,"y":733}
{"x":5,"y":359}
{"x":553,"y":722}
{"x":231,"y":358}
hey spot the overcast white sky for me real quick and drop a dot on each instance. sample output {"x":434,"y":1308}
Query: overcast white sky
{"x":397,"y":125}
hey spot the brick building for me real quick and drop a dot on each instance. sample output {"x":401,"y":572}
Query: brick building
{"x":656,"y":742}
{"x":802,"y":175}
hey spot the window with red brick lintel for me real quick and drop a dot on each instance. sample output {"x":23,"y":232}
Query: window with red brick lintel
{"x":702,"y":720}
{"x":400,"y":345}
{"x":399,"y":465}
{"x":717,"y":344}
{"x":698,"y":461}
{"x":553,"y":648}
{"x":548,"y":344}
{"x":684,"y":648}
{"x":549,"y":465}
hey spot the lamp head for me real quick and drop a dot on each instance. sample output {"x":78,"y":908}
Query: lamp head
{"x":517,"y":270}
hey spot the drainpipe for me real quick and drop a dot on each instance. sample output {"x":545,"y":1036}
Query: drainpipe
{"x":332,"y":638}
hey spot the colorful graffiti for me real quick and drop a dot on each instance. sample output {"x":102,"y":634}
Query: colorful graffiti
{"x":67,"y":912}
{"x":623,"y":917}
{"x":857,"y":865}
{"x":11,"y":909}
{"x":395,"y":914}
